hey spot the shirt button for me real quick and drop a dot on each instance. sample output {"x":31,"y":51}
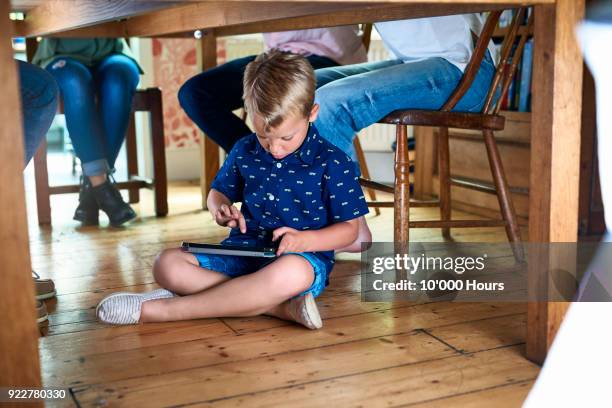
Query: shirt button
{"x":270,"y":197}
{"x":278,"y":165}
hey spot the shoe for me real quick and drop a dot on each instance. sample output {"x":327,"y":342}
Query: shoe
{"x":45,"y":288}
{"x":304,"y":311}
{"x":110,"y":201}
{"x":41,"y":312}
{"x":88,"y":210}
{"x":124,"y":307}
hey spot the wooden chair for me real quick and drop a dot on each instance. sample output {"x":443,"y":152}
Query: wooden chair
{"x":145,"y":100}
{"x":487,"y":121}
{"x":363,"y":165}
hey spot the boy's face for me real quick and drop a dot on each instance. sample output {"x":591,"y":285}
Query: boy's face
{"x":287,"y":137}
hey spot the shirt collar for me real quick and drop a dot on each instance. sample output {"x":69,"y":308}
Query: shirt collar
{"x":305,"y":153}
{"x":309,"y":148}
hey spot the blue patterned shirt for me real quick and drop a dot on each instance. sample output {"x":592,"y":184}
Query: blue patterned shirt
{"x":309,"y":189}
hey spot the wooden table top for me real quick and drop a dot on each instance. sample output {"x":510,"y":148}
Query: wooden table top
{"x":142,"y":18}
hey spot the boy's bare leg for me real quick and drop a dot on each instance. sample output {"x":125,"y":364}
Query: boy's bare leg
{"x":364,"y":235}
{"x":180,"y":272}
{"x":247,"y":295}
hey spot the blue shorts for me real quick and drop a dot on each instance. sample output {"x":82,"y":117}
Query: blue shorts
{"x":234,"y":266}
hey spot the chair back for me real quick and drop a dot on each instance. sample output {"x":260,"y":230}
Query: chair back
{"x":510,"y":58}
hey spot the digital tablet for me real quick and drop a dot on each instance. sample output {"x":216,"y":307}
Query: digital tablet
{"x":218,"y":249}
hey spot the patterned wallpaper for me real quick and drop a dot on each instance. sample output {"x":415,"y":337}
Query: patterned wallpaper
{"x":174,"y":61}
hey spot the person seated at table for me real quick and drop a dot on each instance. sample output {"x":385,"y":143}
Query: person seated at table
{"x":429,"y":57}
{"x":296,"y":189}
{"x":97,"y":78}
{"x":39,"y":98}
{"x":210,"y":97}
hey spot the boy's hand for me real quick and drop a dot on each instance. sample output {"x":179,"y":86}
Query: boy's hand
{"x":292,"y":240}
{"x":230,"y":216}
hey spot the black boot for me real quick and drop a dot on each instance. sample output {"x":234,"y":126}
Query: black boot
{"x":110,"y":201}
{"x":87,"y":212}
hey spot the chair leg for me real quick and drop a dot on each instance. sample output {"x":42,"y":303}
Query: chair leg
{"x":425,"y":162}
{"x":159,"y":153}
{"x":132,"y":159}
{"x":503,"y":193}
{"x":401,"y":209}
{"x":41,"y":177}
{"x":444,"y":176}
{"x":363,"y":165}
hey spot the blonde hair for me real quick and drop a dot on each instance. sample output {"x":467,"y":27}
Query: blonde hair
{"x":279,"y":84}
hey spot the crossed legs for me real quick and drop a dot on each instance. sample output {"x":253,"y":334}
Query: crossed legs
{"x":208,"y":294}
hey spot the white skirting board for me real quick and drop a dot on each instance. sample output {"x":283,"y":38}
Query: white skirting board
{"x":380,"y":165}
{"x":183,"y":164}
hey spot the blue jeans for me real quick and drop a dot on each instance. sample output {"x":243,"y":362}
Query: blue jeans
{"x":210,"y":97}
{"x":97,"y":105}
{"x":353,"y":97}
{"x":39,"y":96}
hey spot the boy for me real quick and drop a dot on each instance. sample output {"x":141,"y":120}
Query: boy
{"x":295,"y":188}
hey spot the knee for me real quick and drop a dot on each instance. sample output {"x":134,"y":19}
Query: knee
{"x":194,"y":93}
{"x":166,"y":269}
{"x":295,"y":276}
{"x":40,"y":87}
{"x":364,"y":234}
{"x":325,"y":76}
{"x":185,"y":94}
{"x":121,"y":70}
{"x":69,"y":73}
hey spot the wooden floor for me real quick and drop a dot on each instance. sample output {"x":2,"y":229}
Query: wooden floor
{"x":367,"y":354}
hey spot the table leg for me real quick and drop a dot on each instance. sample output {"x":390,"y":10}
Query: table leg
{"x":555,"y":154}
{"x":19,"y":363}
{"x":209,"y":149}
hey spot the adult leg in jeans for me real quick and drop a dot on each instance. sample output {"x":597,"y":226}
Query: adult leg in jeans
{"x":355,"y":97}
{"x":356,"y":101}
{"x":83,"y":120}
{"x":77,"y":86}
{"x":330,"y":74}
{"x":39,"y":98}
{"x":210,"y":97}
{"x":116,"y":79}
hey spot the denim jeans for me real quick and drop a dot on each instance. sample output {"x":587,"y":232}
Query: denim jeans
{"x":97,"y":105}
{"x":39,"y":96}
{"x":353,"y":97}
{"x":210,"y":97}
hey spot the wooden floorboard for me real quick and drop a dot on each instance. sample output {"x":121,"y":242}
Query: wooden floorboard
{"x":504,"y":396}
{"x":398,"y":385}
{"x":86,"y":364}
{"x":367,"y":354}
{"x":484,"y":334}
